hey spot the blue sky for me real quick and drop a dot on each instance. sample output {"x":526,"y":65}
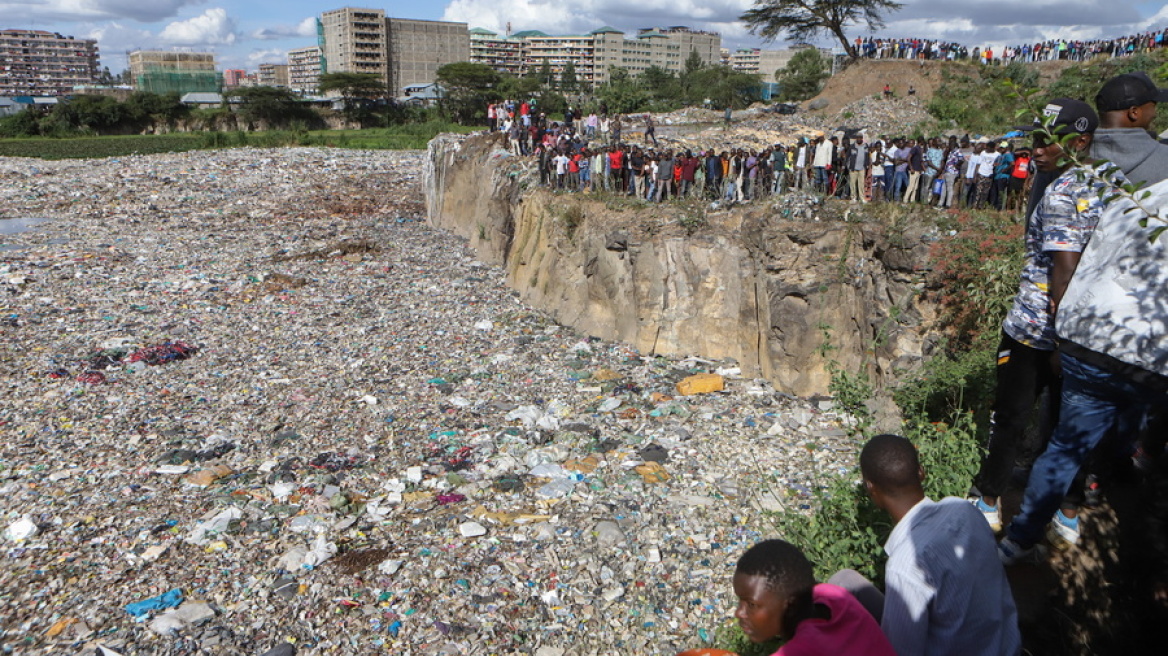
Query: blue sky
{"x":246,"y":34}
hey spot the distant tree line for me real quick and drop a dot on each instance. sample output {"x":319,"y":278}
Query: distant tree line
{"x":468,"y":88}
{"x":363,"y":97}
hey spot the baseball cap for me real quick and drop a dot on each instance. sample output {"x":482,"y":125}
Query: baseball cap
{"x":1070,"y":116}
{"x":1129,"y":90}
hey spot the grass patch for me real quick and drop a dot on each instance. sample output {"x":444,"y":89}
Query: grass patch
{"x":413,"y":136}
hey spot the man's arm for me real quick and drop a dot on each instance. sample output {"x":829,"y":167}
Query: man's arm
{"x":1065,"y":263}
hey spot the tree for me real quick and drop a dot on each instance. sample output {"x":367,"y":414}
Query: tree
{"x":621,"y":93}
{"x":803,"y":76}
{"x":658,"y":81}
{"x":803,"y":20}
{"x":356,"y":89}
{"x":693,"y":63}
{"x":568,"y":81}
{"x":546,"y":77}
{"x":271,"y":105}
{"x":466,"y":90}
{"x":725,"y":87}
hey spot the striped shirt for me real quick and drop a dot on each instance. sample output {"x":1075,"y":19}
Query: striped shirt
{"x":946,"y":590}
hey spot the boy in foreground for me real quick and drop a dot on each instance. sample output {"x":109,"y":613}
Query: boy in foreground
{"x":778,"y":597}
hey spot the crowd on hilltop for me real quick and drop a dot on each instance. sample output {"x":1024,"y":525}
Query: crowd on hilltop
{"x":1054,"y":49}
{"x":589,"y":154}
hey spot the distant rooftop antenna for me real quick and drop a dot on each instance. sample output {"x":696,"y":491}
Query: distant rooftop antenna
{"x":508,"y":28}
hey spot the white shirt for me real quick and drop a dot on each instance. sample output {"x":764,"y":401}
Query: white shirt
{"x":823,"y":153}
{"x":946,"y":591}
{"x":561,"y":164}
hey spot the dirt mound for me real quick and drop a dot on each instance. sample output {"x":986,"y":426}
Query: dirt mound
{"x":866,"y":79}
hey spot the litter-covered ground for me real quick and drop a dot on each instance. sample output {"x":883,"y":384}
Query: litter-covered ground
{"x":251,"y":398}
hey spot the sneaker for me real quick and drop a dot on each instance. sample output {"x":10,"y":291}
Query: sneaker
{"x":992,"y":516}
{"x":1064,"y":529}
{"x":1012,"y":553}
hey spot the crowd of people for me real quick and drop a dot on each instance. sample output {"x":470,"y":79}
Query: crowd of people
{"x":951,"y":172}
{"x":1054,"y":49}
{"x":1087,"y":326}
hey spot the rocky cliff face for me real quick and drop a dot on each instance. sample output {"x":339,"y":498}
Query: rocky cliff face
{"x":760,"y":284}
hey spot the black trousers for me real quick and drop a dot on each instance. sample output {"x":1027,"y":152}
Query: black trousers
{"x":1023,"y":374}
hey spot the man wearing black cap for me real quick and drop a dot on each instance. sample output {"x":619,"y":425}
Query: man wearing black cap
{"x":1068,"y":212}
{"x":1127,"y":107}
{"x":1056,"y":232}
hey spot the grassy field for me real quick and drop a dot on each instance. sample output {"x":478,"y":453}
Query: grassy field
{"x":401,"y":137}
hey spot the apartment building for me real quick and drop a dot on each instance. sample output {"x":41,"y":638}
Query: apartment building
{"x":707,"y":44}
{"x":304,"y":67}
{"x":354,"y":41}
{"x":502,"y":53}
{"x":273,"y":75}
{"x":233,"y":77}
{"x":158,"y":71}
{"x":765,"y":62}
{"x":39,"y":63}
{"x":416,"y":49}
{"x":594,"y":54}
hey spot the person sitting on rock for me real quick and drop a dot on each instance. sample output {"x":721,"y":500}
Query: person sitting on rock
{"x":778,"y":598}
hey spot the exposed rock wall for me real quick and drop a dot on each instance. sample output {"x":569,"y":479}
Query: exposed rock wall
{"x":749,"y":285}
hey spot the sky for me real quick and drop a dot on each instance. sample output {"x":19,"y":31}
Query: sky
{"x":246,"y":34}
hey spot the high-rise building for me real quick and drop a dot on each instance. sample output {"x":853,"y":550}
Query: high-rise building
{"x":233,"y":77}
{"x":274,"y":75}
{"x":354,"y":41}
{"x":39,"y":63}
{"x":416,"y":49}
{"x":158,"y":71}
{"x":304,"y":67}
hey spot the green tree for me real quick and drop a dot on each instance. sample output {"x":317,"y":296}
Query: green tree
{"x":546,"y":77}
{"x":659,"y":82}
{"x":25,"y":123}
{"x":693,"y":63}
{"x":621,"y":93}
{"x":803,"y":20}
{"x":803,"y":76}
{"x":568,"y":81}
{"x":90,"y":113}
{"x":273,"y":106}
{"x":466,"y":90}
{"x":511,"y":86}
{"x":725,"y":87}
{"x":143,"y":108}
{"x":356,"y":90}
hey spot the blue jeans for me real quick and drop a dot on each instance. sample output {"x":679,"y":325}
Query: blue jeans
{"x":821,"y":179}
{"x":899,"y":184}
{"x":1094,"y":400}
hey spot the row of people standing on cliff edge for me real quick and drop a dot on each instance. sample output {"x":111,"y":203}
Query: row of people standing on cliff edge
{"x":948,"y":174}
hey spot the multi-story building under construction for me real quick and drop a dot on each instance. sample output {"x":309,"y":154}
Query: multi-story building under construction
{"x":158,"y":71}
{"x":36,"y":63}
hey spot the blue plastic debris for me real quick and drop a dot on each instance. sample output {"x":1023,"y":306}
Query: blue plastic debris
{"x":162,"y":601}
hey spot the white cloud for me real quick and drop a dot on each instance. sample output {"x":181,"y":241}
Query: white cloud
{"x":88,"y":10}
{"x":269,"y":56}
{"x":213,"y":27}
{"x":305,"y":28}
{"x":979,"y":23}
